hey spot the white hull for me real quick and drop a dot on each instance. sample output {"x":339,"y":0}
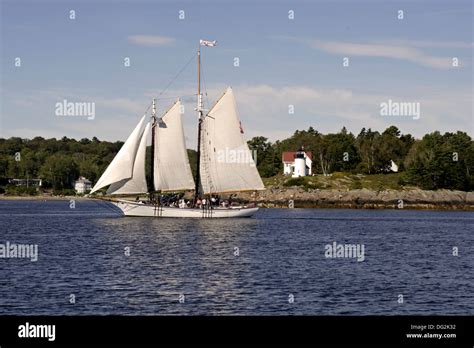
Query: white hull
{"x":139,"y":209}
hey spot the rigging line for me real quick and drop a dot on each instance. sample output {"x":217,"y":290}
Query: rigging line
{"x":177,"y":75}
{"x":172,"y":80}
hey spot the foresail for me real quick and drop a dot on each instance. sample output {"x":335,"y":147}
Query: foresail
{"x":121,"y":166}
{"x":226,"y":162}
{"x":137,"y":183}
{"x":172,"y":171}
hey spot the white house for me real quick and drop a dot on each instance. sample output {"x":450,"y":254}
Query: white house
{"x":82,"y":185}
{"x":297,"y":163}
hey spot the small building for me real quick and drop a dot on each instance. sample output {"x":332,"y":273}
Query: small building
{"x":26,"y":182}
{"x":393,"y":166}
{"x":297,"y":163}
{"x":82,"y":185}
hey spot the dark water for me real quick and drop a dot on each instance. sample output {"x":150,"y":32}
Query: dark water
{"x":282,"y":252}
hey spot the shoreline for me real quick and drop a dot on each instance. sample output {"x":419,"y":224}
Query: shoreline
{"x":367,"y":206}
{"x":42,"y":198}
{"x":413,"y":199}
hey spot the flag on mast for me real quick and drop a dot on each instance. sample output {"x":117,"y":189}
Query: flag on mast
{"x":208,"y":43}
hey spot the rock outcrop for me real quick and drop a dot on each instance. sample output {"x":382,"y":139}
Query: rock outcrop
{"x":363,"y":198}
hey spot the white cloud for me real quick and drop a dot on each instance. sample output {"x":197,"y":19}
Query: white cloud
{"x":408,"y":50}
{"x":150,"y":40}
{"x":393,"y":51}
{"x":263,"y":110}
{"x":429,"y":44}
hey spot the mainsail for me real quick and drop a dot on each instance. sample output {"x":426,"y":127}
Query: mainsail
{"x":137,"y":183}
{"x":226,"y":163}
{"x":172,"y":171}
{"x":121,"y":166}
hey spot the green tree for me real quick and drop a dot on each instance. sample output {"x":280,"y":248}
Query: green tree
{"x":267,"y":158}
{"x":4,"y":162}
{"x":441,"y":161}
{"x":378,"y":150}
{"x":59,"y":171}
{"x":339,"y":151}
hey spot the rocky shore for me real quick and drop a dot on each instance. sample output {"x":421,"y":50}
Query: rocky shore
{"x":275,"y":197}
{"x":363,"y":198}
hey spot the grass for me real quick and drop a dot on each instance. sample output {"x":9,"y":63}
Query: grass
{"x":339,"y":181}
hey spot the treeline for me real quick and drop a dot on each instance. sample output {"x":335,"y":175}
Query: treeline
{"x":57,"y":162}
{"x":434,"y":162}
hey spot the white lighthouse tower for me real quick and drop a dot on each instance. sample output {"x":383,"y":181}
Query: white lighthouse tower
{"x":300,"y":163}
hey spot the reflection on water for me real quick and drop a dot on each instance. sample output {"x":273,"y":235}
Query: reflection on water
{"x":143,"y":266}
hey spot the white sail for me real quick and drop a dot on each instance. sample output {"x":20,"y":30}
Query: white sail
{"x":121,"y":166}
{"x":172,"y":171}
{"x":137,"y":183}
{"x":226,"y":162}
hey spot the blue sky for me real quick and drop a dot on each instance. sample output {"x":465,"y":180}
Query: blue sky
{"x":282,"y":62}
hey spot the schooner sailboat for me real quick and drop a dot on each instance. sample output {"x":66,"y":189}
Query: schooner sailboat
{"x":224,"y":161}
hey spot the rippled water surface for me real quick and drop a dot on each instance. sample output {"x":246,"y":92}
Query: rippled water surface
{"x":281,"y":252}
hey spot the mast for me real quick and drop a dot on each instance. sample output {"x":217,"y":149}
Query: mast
{"x":199,"y":110}
{"x":153,"y":125}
